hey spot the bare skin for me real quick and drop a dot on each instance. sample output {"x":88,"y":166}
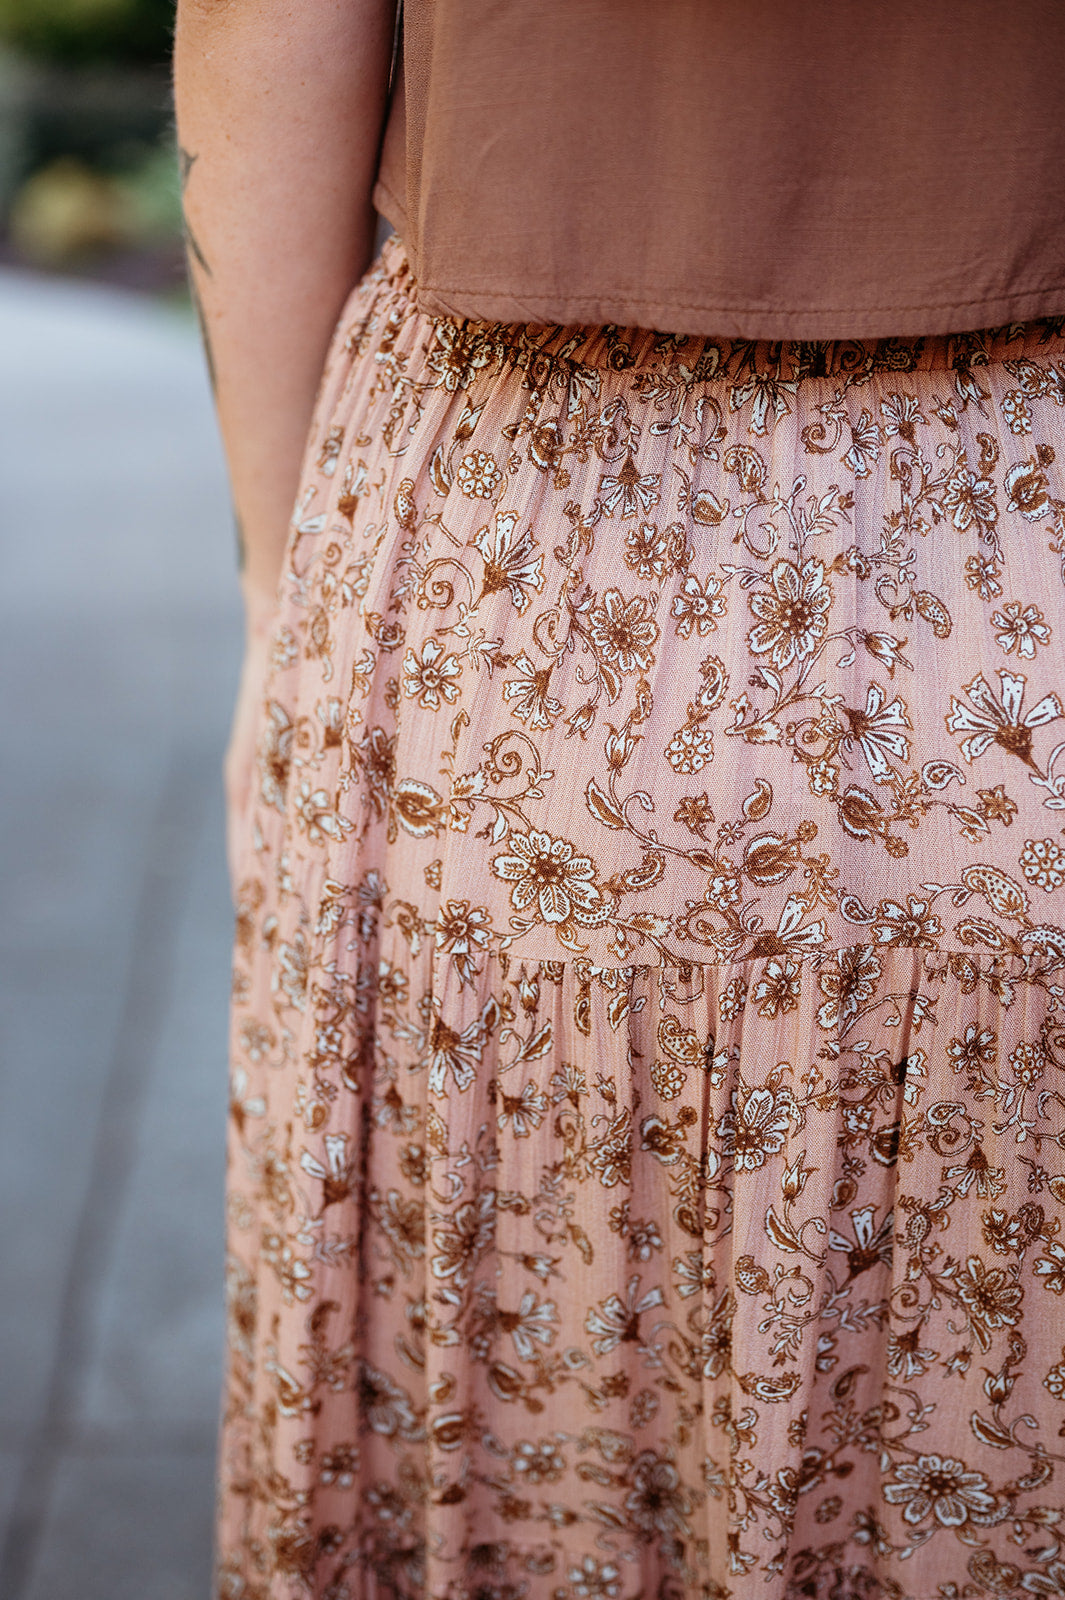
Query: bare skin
{"x":280,"y":105}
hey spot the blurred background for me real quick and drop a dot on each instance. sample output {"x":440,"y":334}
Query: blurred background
{"x":88,"y":178}
{"x":119,"y":646}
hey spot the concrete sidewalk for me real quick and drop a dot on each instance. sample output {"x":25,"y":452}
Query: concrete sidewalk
{"x":119,"y":643}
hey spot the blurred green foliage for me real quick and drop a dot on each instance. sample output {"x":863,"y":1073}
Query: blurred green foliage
{"x":83,"y":31}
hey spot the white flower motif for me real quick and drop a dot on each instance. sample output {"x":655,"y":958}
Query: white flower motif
{"x":876,"y":730}
{"x":793,"y":616}
{"x":1000,"y":721}
{"x":549,"y":876}
{"x":510,"y":560}
{"x":432,"y":676}
{"x":1020,"y":630}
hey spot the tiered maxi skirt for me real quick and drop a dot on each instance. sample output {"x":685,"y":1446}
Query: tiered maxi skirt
{"x":647,"y":1162}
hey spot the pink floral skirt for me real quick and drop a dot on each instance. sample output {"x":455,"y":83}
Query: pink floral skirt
{"x":647,"y":1163}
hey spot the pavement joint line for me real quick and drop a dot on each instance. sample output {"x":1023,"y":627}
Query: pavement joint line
{"x":160,"y":901}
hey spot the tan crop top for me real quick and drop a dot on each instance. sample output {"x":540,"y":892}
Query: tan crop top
{"x":803,"y":169}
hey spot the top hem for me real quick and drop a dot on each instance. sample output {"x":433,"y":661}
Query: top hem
{"x":754,"y":323}
{"x":667,"y":312}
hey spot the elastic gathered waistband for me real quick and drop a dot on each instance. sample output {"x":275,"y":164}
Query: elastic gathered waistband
{"x":706,"y":359}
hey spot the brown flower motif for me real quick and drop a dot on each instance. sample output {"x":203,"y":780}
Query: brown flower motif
{"x":551,"y":879}
{"x":940,"y":1487}
{"x":793,"y":615}
{"x":756,"y":1125}
{"x":991,"y":1299}
{"x":623,"y":632}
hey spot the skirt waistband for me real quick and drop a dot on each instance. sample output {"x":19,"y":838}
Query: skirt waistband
{"x":706,"y":359}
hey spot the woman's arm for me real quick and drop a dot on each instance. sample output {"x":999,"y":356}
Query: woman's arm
{"x":280,"y":105}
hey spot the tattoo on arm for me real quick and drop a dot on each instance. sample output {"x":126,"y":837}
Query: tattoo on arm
{"x":242,"y":549}
{"x":196,"y":258}
{"x":187,"y":161}
{"x":205,"y":335}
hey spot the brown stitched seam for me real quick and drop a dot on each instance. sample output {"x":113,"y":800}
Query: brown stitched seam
{"x":700,"y":305}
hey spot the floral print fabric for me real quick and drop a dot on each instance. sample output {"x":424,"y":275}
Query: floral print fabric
{"x":648,"y":1130}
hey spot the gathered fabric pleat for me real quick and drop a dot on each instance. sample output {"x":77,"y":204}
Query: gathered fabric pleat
{"x":647,"y":1142}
